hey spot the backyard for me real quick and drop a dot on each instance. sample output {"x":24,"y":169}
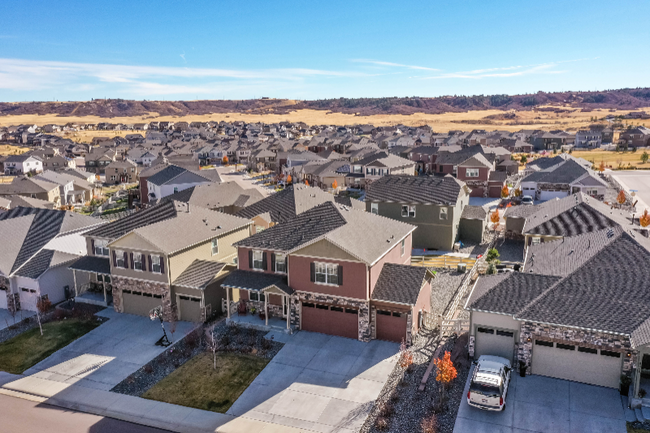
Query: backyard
{"x":29,"y":348}
{"x":197,"y":384}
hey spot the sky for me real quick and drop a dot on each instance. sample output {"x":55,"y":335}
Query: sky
{"x":222,"y":49}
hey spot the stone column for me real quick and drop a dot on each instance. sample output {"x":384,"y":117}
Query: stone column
{"x":266,"y":308}
{"x":74,"y":278}
{"x":228,"y":301}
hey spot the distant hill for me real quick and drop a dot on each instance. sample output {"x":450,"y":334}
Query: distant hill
{"x":621,"y":99}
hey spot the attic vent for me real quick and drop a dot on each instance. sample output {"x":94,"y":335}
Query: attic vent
{"x":610,"y":233}
{"x":537,"y":240}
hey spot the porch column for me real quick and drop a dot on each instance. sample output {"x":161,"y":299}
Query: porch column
{"x":287,"y":300}
{"x":228,"y":301}
{"x":74,"y":278}
{"x":104,"y":286}
{"x":266,"y":309}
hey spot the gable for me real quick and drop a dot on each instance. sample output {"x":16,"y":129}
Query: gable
{"x":133,"y":241}
{"x":325,"y":249}
{"x":187,"y":177}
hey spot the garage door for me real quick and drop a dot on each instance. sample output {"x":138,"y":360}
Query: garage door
{"x":495,"y":191}
{"x":548,"y":195}
{"x":391,"y":326}
{"x":3,"y":298}
{"x":190,"y":308}
{"x":579,"y":364}
{"x":477,"y":191}
{"x":139,"y":303}
{"x":496,"y":342}
{"x":330,"y":319}
{"x":28,"y":298}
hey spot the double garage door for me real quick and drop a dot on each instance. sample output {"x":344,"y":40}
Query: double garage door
{"x":139,"y":303}
{"x":330,"y":319}
{"x":580,"y":364}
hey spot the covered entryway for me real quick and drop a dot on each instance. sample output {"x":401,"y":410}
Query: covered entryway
{"x":139,"y":303}
{"x":189,"y":308}
{"x":330,"y":319}
{"x":493,"y":341}
{"x":391,"y":326}
{"x":579,"y":364}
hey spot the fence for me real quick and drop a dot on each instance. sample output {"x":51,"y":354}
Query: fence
{"x":441,"y":261}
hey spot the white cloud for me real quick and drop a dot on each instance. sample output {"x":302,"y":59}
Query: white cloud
{"x":397,"y":65}
{"x":514,"y":71}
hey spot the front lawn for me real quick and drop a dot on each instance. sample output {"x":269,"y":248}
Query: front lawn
{"x":30,"y":348}
{"x":196,"y":384}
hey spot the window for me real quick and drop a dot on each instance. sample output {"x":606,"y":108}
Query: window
{"x":327,"y":273}
{"x":215,"y":246}
{"x":155,"y":264}
{"x":587,"y":350}
{"x":119,"y":258}
{"x":443,"y":213}
{"x":175,"y":189}
{"x":258,"y":260}
{"x":256,"y":296}
{"x":322,"y":307}
{"x":280,"y":263}
{"x":408,"y":211}
{"x":565,"y":346}
{"x":505,"y":333}
{"x":383,"y":313}
{"x":308,"y":305}
{"x":397,"y":314}
{"x":101,"y":247}
{"x":471,"y":172}
{"x":614,"y":354}
{"x":485,"y":330}
{"x":543,"y":343}
{"x":339,"y":309}
{"x":351,"y":311}
{"x":374,"y":208}
{"x":137,"y":261}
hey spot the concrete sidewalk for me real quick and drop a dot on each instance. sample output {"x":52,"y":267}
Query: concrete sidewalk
{"x":132,"y":409}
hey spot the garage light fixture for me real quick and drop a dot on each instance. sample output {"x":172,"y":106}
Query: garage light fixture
{"x":529,"y":339}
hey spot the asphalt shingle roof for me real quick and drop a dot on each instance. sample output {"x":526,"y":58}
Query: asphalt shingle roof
{"x":399,"y":283}
{"x":166,"y":174}
{"x":151,"y":215}
{"x":199,"y":274}
{"x":257,"y":281}
{"x":474,"y":213}
{"x":100,"y":265}
{"x":415,"y":189}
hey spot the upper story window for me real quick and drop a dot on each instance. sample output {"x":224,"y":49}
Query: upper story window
{"x":471,"y":172}
{"x":119,"y":259}
{"x":215,"y":246}
{"x":402,"y":247}
{"x":443,"y":213}
{"x":137,"y":262}
{"x":408,"y":211}
{"x":155,"y":264}
{"x":280,"y":263}
{"x":357,"y":169}
{"x":100,"y":247}
{"x":326,"y":273}
{"x":374,"y":208}
{"x":258,"y":260}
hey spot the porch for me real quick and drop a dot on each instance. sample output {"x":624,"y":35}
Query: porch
{"x":255,"y":322}
{"x":92,"y":281}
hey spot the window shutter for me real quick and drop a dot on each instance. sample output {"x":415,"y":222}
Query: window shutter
{"x":264,"y":264}
{"x":114,"y":259}
{"x":250,"y":259}
{"x":340,"y":274}
{"x":131,"y":257}
{"x":126,"y":260}
{"x":144,"y":262}
{"x":312,"y":273}
{"x":92,"y":246}
{"x":150,"y":265}
{"x":162,"y":265}
{"x":273,"y":262}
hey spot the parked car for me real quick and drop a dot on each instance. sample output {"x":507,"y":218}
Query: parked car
{"x":488,"y":388}
{"x":527,"y":200}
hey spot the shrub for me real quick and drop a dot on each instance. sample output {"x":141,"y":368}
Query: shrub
{"x":405,"y":356}
{"x":386,"y":409}
{"x":492,"y":255}
{"x":394,"y":397}
{"x":430,"y":424}
{"x":382,"y":423}
{"x":148,"y":369}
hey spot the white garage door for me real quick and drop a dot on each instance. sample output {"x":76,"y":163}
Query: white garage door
{"x":28,"y":299}
{"x":3,"y":299}
{"x":579,"y":364}
{"x":497,"y":342}
{"x":548,"y":195}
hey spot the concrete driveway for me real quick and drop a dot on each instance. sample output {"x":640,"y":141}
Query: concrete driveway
{"x":637,"y":180}
{"x":319,"y":382}
{"x":108,"y":354}
{"x":6,"y":320}
{"x":545,"y":405}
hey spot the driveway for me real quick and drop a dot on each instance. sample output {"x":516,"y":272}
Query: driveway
{"x":638,"y":181}
{"x":6,"y":320}
{"x":319,"y":382}
{"x":546,"y":405}
{"x":228,"y":174}
{"x":108,"y":354}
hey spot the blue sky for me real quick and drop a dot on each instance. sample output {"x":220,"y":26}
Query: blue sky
{"x":223,"y":49}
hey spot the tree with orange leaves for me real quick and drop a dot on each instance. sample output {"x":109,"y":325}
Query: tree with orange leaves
{"x":621,"y":199}
{"x":601,"y":167}
{"x":505,"y":192}
{"x":289,"y":179}
{"x":224,"y":160}
{"x":495,"y":217}
{"x":335,"y":185}
{"x":446,"y":372}
{"x":644,"y":219}
{"x":306,"y":182}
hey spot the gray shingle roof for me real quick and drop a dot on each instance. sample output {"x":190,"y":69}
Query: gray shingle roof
{"x":474,"y":213}
{"x":199,"y":274}
{"x":399,"y":283}
{"x":151,"y":215}
{"x":257,"y":281}
{"x":580,"y":219}
{"x":166,"y":174}
{"x":415,"y":189}
{"x":100,"y":265}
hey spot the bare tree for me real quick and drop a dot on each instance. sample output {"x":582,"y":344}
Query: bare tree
{"x":43,"y":305}
{"x":212,"y":343}
{"x":170,"y":318}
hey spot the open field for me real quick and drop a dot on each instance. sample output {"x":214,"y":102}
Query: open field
{"x":8,"y":149}
{"x":477,"y":119}
{"x":612,"y":159}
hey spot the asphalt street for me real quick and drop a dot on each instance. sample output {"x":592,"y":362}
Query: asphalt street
{"x":21,"y":416}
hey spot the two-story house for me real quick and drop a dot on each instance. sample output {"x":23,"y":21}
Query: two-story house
{"x":322,"y":271}
{"x":635,"y":137}
{"x":173,"y":179}
{"x":33,"y":188}
{"x":118,"y":172}
{"x":433,"y":204}
{"x":22,"y":164}
{"x":171,"y":254}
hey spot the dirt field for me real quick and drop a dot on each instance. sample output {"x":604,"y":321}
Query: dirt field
{"x":439,"y":122}
{"x":7,"y":149}
{"x":613,"y":159}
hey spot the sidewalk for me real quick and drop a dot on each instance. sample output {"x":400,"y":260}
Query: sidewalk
{"x":132,"y":409}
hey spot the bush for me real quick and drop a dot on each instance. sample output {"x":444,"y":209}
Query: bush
{"x":491,"y":269}
{"x":492,"y":255}
{"x":382,"y":423}
{"x":394,"y":397}
{"x":148,"y":369}
{"x":430,"y":424}
{"x":386,"y":409}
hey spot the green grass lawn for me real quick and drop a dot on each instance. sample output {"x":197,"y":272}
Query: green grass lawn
{"x":29,"y":348}
{"x":196,"y":384}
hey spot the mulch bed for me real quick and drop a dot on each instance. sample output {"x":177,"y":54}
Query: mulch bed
{"x":231,"y":338}
{"x":401,"y":407}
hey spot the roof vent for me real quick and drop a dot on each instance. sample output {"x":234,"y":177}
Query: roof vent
{"x":610,"y":233}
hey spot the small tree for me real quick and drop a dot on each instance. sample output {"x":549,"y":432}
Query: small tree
{"x":212,"y":344}
{"x":289,"y":179}
{"x":43,"y":305}
{"x":170,"y":318}
{"x":644,"y":157}
{"x":505,"y":192}
{"x":224,"y":160}
{"x":621,"y":197}
{"x":495,"y":217}
{"x":405,"y":356}
{"x":644,"y":219}
{"x":306,"y":182}
{"x":518,"y":192}
{"x":492,"y":255}
{"x":524,"y":159}
{"x":335,"y":185}
{"x":446,"y":372}
{"x":601,"y":167}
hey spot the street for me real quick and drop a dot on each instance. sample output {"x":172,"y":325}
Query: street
{"x":21,"y":416}
{"x":638,"y":181}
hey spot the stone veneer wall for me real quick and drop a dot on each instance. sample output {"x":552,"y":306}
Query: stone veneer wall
{"x":596,"y":340}
{"x":364,"y":327}
{"x":473,"y":184}
{"x":156,"y":288}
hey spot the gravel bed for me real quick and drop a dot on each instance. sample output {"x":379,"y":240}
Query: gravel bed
{"x":638,"y":425}
{"x":18,"y":328}
{"x":231,"y":338}
{"x":404,"y":407}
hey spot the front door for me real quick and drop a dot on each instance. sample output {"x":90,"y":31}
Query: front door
{"x":285,"y":306}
